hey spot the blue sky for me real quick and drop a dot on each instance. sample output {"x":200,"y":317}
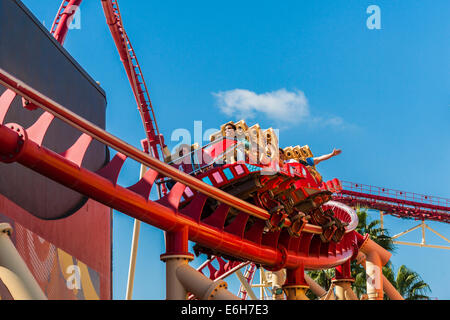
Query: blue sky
{"x":382,"y":96}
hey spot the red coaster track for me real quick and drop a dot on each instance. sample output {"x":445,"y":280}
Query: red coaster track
{"x":273,"y":250}
{"x":63,"y":19}
{"x":400,"y":204}
{"x":128,"y":57}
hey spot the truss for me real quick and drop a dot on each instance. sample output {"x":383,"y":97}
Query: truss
{"x":422,"y":243}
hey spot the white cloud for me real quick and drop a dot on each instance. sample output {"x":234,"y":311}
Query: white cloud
{"x":280,"y":106}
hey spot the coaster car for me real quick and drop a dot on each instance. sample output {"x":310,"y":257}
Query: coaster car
{"x":292,"y":193}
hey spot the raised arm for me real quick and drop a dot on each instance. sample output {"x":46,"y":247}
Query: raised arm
{"x":335,"y":152}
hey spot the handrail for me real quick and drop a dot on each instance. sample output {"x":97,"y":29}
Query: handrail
{"x":410,"y":198}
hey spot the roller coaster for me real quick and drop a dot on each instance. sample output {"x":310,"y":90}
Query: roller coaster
{"x":251,"y":212}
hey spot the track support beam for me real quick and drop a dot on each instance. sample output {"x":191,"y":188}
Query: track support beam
{"x":296,"y":286}
{"x":343,"y":282}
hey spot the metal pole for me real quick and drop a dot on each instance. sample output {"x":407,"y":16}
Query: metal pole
{"x":261,"y":281}
{"x":315,"y":287}
{"x":246,"y":285}
{"x":203,"y":288}
{"x":132,"y":267}
{"x":66,"y":172}
{"x":435,"y":232}
{"x":134,"y":247}
{"x":124,"y":148}
{"x":381,"y":221}
{"x":423,"y":232}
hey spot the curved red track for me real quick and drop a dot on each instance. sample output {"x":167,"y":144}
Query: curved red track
{"x":273,"y":249}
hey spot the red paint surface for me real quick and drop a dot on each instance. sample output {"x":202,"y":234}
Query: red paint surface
{"x":86,"y":236}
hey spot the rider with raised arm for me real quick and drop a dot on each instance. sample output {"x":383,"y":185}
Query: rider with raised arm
{"x":316,"y":160}
{"x":311,"y":161}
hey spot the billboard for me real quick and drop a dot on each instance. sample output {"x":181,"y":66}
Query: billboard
{"x":30,"y":53}
{"x":63,"y":236}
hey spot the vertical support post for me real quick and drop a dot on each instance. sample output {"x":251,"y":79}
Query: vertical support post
{"x":295,"y":287}
{"x":382,"y":221}
{"x":246,"y":285}
{"x":278,"y":278}
{"x":343,"y":281}
{"x":181,"y":277}
{"x":132,"y":267}
{"x":376,"y":258}
{"x":134,"y":247}
{"x":388,"y":288}
{"x":423,"y":232}
{"x":374,"y":277}
{"x":176,"y":255}
{"x":261,"y":281}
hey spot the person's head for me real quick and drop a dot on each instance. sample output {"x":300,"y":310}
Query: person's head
{"x":183,"y":150}
{"x":282,"y":155}
{"x":230,"y":130}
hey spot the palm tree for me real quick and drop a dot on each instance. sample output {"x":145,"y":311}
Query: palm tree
{"x":323,"y":278}
{"x":373,"y":228}
{"x":408,"y":283}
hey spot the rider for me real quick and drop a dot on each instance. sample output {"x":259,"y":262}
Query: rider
{"x":230,"y":132}
{"x":316,"y":160}
{"x":310,"y":161}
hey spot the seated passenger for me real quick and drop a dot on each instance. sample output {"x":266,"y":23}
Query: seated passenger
{"x":239,"y":154}
{"x":230,"y":130}
{"x":184,"y":160}
{"x":281,"y":158}
{"x":183,"y":163}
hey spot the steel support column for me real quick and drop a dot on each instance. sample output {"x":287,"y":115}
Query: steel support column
{"x":343,"y":281}
{"x":296,"y":286}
